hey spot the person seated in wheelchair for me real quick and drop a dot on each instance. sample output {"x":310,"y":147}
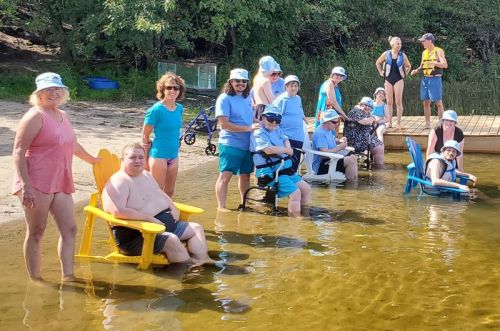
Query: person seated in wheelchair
{"x":442,"y":170}
{"x":270,"y":147}
{"x":133,"y":194}
{"x":359,"y":130}
{"x":324,"y":140}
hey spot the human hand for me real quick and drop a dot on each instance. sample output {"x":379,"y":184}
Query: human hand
{"x":94,"y":160}
{"x":343,"y":140}
{"x":289,"y":150}
{"x":343,"y":145}
{"x":473,"y":179}
{"x":254,"y":127}
{"x":175,"y":213}
{"x":413,"y":72}
{"x":27,"y":197}
{"x":381,"y":73}
{"x":464,"y":187}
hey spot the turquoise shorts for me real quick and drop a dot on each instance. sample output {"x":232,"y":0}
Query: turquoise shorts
{"x":287,"y":184}
{"x":235,"y":160}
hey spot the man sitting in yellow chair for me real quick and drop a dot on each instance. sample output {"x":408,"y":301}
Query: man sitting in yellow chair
{"x":133,"y":193}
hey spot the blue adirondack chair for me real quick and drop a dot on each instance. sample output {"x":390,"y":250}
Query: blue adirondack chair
{"x":416,"y":175}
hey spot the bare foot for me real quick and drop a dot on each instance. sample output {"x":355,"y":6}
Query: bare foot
{"x":223,"y":210}
{"x":203,"y":261}
{"x":71,"y":279}
{"x":427,"y":126}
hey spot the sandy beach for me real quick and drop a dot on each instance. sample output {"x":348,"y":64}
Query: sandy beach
{"x":97,"y":125}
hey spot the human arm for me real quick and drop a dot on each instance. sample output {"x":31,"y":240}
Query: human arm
{"x":441,"y":62}
{"x":145,"y":136}
{"x":435,"y":176}
{"x":330,"y":94}
{"x":416,"y":70}
{"x":460,"y":158}
{"x":470,"y":176}
{"x":267,"y":90}
{"x":115,"y":197}
{"x":367,"y":120}
{"x":407,"y":64}
{"x":82,"y":154}
{"x":225,"y":124}
{"x":431,"y":143}
{"x":340,"y":146}
{"x":379,"y":64}
{"x":277,"y":150}
{"x":28,"y":128}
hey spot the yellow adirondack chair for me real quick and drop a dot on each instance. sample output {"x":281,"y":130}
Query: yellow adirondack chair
{"x":103,"y":170}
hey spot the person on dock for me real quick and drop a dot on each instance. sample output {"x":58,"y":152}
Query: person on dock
{"x":233,"y":109}
{"x":441,"y":168}
{"x":324,"y":140}
{"x":270,"y":145}
{"x":431,"y":87}
{"x":164,"y":118}
{"x":133,"y":193}
{"x":329,"y":95}
{"x":292,"y":122}
{"x":359,"y":131}
{"x":446,"y":130}
{"x":381,"y":112}
{"x":43,"y":180}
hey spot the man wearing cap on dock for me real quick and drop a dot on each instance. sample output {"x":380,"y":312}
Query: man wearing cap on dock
{"x":233,"y":109}
{"x":431,"y":86}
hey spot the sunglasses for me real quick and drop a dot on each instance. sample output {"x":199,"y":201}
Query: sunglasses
{"x":239,"y":81}
{"x":273,"y":118}
{"x":334,"y":122}
{"x":170,"y":88}
{"x":274,"y":74}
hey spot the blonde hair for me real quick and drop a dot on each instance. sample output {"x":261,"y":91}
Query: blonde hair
{"x":160,"y":85}
{"x":392,"y":38}
{"x":34,"y":99}
{"x":128,"y":147}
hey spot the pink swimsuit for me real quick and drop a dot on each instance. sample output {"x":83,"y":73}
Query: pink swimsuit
{"x":50,"y":157}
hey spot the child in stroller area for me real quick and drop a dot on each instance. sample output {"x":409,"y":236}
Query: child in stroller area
{"x":270,"y":140}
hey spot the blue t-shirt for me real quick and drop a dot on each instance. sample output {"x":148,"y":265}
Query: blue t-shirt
{"x":292,"y":122}
{"x":239,"y":111}
{"x":166,"y":127}
{"x":278,"y":86}
{"x":321,"y":139}
{"x":262,"y":138}
{"x":322,"y":101}
{"x":379,"y":110}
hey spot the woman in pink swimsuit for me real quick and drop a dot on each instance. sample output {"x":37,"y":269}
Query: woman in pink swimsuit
{"x":43,"y":151}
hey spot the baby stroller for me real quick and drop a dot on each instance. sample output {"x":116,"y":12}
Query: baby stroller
{"x":204,"y":123}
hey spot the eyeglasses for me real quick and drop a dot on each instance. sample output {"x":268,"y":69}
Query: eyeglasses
{"x":273,"y":118}
{"x":170,"y":88}
{"x":239,"y":81}
{"x":274,"y":74}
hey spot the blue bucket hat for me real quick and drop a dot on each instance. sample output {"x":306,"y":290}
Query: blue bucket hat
{"x":277,"y":67}
{"x":329,"y":115}
{"x":271,"y":109}
{"x":238,"y":73}
{"x":48,"y":79}
{"x":366,"y":101}
{"x":450,"y":115}
{"x":451,"y":144}
{"x":267,"y":63}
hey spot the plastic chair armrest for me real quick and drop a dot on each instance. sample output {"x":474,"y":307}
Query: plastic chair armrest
{"x":333,"y":156}
{"x":143,"y":226}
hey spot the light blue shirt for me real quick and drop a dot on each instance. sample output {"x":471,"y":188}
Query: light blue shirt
{"x":278,"y":86}
{"x":166,"y":127}
{"x":263,"y":138}
{"x":379,"y":110}
{"x":239,"y":111}
{"x":322,"y":139}
{"x":292,"y":121}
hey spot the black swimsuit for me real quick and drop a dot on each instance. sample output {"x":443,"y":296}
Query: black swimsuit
{"x":394,"y":75}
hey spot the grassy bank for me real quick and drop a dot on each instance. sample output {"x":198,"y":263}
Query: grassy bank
{"x":474,"y":91}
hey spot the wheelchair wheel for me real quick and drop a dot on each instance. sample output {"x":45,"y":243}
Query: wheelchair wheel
{"x":190,"y":138}
{"x":210,"y":150}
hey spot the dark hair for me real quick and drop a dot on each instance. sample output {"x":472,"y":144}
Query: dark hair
{"x":160,"y":85}
{"x":228,"y":89}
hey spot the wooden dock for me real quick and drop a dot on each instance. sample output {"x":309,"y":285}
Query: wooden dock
{"x":482,"y":132}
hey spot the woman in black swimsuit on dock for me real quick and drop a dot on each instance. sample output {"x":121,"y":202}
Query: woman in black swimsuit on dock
{"x":394,"y":65}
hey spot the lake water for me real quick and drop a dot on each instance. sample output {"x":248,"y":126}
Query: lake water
{"x":369,"y":259}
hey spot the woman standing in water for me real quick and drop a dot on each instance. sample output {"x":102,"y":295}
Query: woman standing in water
{"x":329,"y":95}
{"x":43,"y":152}
{"x":394,"y":65}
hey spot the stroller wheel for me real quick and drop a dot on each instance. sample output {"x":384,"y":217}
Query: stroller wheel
{"x":190,"y":138}
{"x":210,"y":150}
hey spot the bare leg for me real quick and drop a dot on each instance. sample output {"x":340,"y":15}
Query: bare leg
{"x":389,"y":96}
{"x":175,"y":250}
{"x":351,"y":167}
{"x":62,"y":210}
{"x":197,"y":243}
{"x":158,"y":168}
{"x":305,"y":193}
{"x":243,"y":184}
{"x":378,"y":154}
{"x":440,"y":108}
{"x":171,"y":177}
{"x":221,"y":189}
{"x":294,"y":204}
{"x":427,"y":113}
{"x":398,"y":95}
{"x":36,"y":222}
{"x":381,"y":129}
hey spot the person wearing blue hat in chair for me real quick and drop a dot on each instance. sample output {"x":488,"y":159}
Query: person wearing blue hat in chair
{"x":233,"y":109}
{"x":270,"y":140}
{"x":324,"y":140}
{"x":441,"y":168}
{"x":445,"y":130}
